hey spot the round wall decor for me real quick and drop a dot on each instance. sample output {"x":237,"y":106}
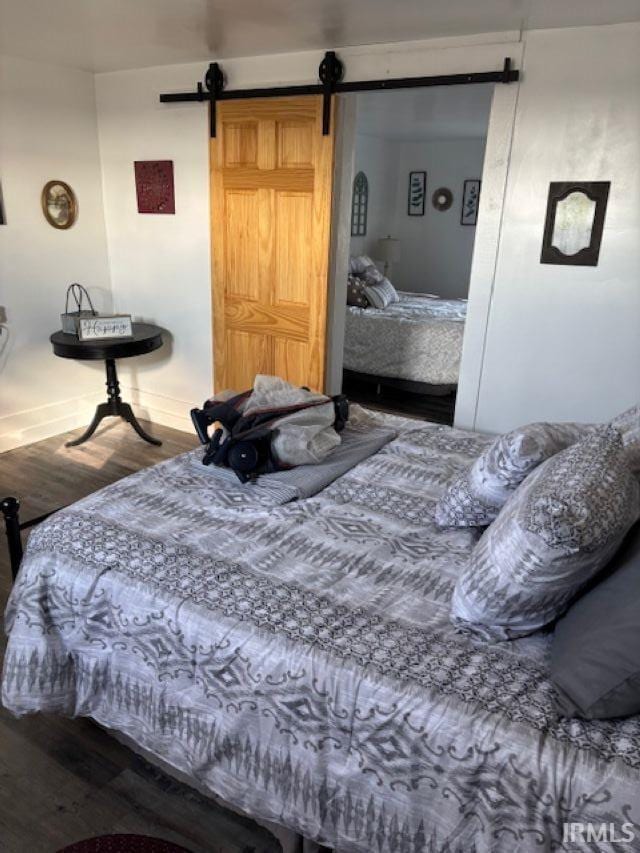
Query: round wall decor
{"x":442,"y":199}
{"x":59,"y":204}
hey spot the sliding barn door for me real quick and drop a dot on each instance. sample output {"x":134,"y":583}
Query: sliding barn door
{"x":271,"y":176}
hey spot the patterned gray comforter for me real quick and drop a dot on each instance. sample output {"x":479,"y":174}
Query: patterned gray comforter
{"x":418,"y":338}
{"x":298,"y":659}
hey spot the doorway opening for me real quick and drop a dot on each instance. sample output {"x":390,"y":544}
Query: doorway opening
{"x":417,"y":182}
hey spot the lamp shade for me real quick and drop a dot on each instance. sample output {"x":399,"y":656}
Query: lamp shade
{"x":389,"y":249}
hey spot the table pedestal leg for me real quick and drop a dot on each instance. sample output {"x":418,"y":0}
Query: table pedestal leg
{"x":114,"y":407}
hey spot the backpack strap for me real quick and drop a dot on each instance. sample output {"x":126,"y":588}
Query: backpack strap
{"x":227,"y":412}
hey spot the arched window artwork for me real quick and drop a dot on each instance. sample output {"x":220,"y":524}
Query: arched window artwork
{"x":359,"y":205}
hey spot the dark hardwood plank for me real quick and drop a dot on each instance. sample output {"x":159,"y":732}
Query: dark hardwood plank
{"x":62,"y":779}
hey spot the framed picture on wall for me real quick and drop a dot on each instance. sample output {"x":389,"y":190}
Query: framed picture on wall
{"x":417,"y":193}
{"x":59,"y":204}
{"x":154,"y":186}
{"x":470,"y":201}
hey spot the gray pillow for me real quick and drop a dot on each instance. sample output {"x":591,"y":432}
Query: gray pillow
{"x":475,"y":497}
{"x":553,"y":535}
{"x":356,"y":292}
{"x":595,"y":653}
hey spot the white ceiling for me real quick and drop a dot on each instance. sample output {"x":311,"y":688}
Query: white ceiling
{"x":417,"y":115}
{"x":103,"y":35}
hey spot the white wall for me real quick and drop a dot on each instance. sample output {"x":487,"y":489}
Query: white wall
{"x":344,"y":161}
{"x":160,"y":265}
{"x":435,"y":249}
{"x":378,"y":159}
{"x":563,"y":342}
{"x":47,"y":130}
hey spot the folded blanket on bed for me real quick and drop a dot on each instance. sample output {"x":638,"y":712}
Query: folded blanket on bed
{"x":359,"y":441}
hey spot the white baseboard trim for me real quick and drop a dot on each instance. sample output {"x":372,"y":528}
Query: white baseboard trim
{"x":160,"y":409}
{"x":42,"y":422}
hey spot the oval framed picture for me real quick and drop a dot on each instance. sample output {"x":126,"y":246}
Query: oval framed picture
{"x":59,"y":204}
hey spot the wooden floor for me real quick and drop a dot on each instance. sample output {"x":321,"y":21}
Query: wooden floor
{"x":64,"y":780}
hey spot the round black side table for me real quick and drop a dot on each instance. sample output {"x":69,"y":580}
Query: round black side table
{"x":146,"y":338}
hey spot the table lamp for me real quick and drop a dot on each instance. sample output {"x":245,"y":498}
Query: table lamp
{"x":388,"y":251}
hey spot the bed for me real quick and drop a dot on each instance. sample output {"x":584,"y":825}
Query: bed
{"x":296,"y":658}
{"x":418,"y":339}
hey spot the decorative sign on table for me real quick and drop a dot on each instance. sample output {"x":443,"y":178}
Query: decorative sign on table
{"x":105,"y":326}
{"x":154,"y":186}
{"x":417,"y":193}
{"x":470,"y":201}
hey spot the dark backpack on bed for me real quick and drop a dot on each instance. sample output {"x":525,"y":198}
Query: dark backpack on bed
{"x":246,"y":449}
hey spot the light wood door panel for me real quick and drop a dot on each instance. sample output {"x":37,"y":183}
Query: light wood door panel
{"x":295,"y":144}
{"x":293,"y":247}
{"x":243,"y":351}
{"x":242,"y":257}
{"x":271,"y":177}
{"x":240,"y":144}
{"x":291,"y":359}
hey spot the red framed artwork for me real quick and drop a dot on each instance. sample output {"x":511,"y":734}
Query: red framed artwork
{"x":154,"y":186}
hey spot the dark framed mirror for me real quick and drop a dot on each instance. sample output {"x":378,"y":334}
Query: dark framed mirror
{"x":574,"y":222}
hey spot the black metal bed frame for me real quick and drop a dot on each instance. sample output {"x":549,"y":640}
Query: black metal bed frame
{"x":10,"y":507}
{"x":330,"y":74}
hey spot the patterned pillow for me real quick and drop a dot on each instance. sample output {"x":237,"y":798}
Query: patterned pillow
{"x":554,"y":534}
{"x":373,"y":277}
{"x":356,"y":292}
{"x":628,"y":424}
{"x":379,"y":293}
{"x":476,"y":496}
